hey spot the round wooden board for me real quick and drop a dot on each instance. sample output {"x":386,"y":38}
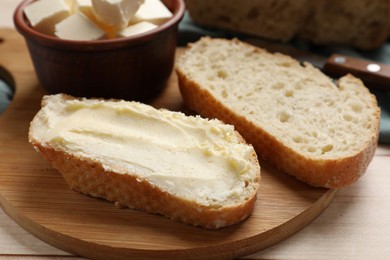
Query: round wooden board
{"x":36,"y":196}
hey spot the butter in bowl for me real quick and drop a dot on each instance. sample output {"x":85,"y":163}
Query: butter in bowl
{"x":98,"y":48}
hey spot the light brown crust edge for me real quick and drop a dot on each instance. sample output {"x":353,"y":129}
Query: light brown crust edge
{"x":89,"y":177}
{"x":317,"y":173}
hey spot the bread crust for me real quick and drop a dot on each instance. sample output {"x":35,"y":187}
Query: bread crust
{"x":328,"y":173}
{"x":126,"y":190}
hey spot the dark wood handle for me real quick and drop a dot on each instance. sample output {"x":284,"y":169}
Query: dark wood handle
{"x":373,"y":74}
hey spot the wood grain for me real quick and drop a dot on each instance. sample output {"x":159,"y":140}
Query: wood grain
{"x":37,"y":198}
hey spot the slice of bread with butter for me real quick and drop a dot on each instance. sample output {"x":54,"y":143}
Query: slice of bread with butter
{"x":187,"y":168}
{"x":323,"y":133}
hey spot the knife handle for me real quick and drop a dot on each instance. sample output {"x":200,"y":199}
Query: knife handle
{"x":373,"y":74}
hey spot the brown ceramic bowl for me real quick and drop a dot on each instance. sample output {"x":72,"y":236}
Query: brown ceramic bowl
{"x":132,"y":68}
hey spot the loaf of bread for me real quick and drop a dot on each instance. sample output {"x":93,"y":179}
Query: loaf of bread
{"x":273,"y":19}
{"x":363,"y":24}
{"x":187,"y":168}
{"x":322,"y":132}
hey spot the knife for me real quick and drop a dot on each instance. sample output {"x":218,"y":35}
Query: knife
{"x":374,"y":74}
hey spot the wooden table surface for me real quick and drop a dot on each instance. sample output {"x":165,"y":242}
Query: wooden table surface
{"x":356,"y":225}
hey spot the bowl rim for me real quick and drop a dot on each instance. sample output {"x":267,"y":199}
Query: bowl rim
{"x":22,"y":26}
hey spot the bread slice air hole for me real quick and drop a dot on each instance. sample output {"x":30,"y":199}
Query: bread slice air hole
{"x":278,"y":85}
{"x":298,"y":139}
{"x":347,"y":117}
{"x":356,"y":107}
{"x":222,"y":74}
{"x":211,"y":78}
{"x":326,"y":148}
{"x":284,"y":116}
{"x":330,"y":103}
{"x":224,"y":94}
{"x":289,"y":93}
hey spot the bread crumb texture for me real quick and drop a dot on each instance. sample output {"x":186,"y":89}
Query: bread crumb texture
{"x":278,"y":103}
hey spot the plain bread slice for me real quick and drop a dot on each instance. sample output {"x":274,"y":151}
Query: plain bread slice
{"x":323,"y":133}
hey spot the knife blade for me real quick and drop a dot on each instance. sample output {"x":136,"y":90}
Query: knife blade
{"x":374,"y":74}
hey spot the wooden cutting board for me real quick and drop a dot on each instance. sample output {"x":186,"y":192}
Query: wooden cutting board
{"x":38,"y":199}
